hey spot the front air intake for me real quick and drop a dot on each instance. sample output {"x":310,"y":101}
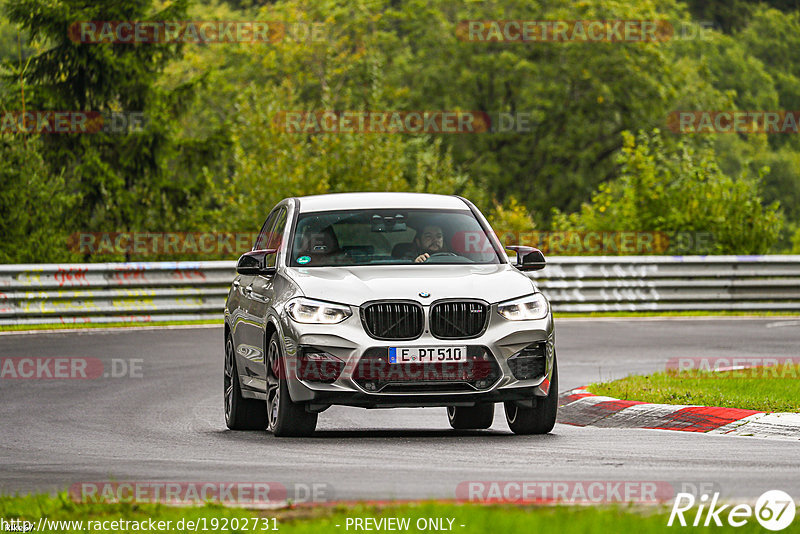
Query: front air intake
{"x":530,"y":362}
{"x":376,"y":373}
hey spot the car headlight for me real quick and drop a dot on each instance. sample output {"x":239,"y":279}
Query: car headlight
{"x":310,"y":311}
{"x":525,"y":308}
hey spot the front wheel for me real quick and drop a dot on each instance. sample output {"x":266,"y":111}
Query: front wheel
{"x":539,"y":419}
{"x":285,"y":418}
{"x":240,"y":413}
{"x":475,"y":417}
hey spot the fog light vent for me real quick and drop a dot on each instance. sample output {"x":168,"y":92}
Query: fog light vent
{"x":315,"y":365}
{"x":530,"y":362}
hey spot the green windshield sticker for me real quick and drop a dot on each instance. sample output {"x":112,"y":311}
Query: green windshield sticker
{"x":302,"y":260}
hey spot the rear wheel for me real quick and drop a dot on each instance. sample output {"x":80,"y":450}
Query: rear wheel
{"x":541,"y":418}
{"x":240,"y":413}
{"x":472,"y":417}
{"x":285,"y":418}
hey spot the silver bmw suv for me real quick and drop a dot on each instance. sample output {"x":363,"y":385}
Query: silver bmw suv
{"x":384,"y":300}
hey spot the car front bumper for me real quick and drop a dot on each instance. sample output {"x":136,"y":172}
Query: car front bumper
{"x":349,"y":342}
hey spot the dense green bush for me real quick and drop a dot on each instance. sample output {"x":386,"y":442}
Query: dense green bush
{"x":679,"y":192}
{"x":211,"y":158}
{"x":33,"y":204}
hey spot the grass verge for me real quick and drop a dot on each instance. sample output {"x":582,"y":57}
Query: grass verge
{"x":467,"y":518}
{"x":766,"y":389}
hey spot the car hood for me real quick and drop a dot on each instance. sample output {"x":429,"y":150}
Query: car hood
{"x":356,"y":285}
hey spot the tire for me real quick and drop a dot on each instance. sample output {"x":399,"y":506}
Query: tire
{"x":541,"y":418}
{"x":284,"y":417}
{"x":240,"y":413}
{"x":475,"y":417}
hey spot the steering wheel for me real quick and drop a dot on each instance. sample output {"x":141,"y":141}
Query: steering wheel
{"x":440,"y":254}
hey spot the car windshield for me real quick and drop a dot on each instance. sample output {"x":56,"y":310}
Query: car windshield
{"x":390,"y":237}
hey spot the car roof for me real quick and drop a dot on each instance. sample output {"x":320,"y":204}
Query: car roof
{"x":343,"y":201}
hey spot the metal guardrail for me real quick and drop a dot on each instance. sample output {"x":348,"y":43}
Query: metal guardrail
{"x":671,"y":283}
{"x":168,"y":291}
{"x":113,"y":292}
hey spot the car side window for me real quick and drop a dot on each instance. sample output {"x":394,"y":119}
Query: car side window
{"x":276,"y":233}
{"x":276,"y":237}
{"x":263,"y":235}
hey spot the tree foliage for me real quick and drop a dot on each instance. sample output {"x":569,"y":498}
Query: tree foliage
{"x":33,"y":204}
{"x":683,"y":194}
{"x":127,"y":180}
{"x":210,"y":157}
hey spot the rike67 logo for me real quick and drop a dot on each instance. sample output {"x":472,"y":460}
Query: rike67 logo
{"x":774,"y":510}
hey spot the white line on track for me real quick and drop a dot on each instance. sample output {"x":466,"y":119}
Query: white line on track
{"x":778,"y":324}
{"x":110,"y":329}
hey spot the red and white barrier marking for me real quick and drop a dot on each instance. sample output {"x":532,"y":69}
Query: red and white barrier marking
{"x":579,"y":407}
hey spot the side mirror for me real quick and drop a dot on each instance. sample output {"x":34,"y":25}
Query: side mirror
{"x":255,"y":262}
{"x":528,"y":258}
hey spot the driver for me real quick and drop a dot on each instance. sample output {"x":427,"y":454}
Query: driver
{"x":429,"y":241}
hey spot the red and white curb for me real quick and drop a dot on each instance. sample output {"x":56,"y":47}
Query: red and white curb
{"x":578,"y":407}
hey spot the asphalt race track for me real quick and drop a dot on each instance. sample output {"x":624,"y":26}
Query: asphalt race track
{"x":167,"y":425}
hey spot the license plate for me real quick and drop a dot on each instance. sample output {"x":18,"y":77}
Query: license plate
{"x":427,"y":354}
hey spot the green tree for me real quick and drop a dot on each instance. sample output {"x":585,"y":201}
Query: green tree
{"x":795,"y":242}
{"x":579,"y":97}
{"x":510,"y":220}
{"x":251,"y":85}
{"x":125,"y":181}
{"x":733,"y":15}
{"x":679,"y":192}
{"x":210,"y":156}
{"x":773,"y":38}
{"x":33,"y":204}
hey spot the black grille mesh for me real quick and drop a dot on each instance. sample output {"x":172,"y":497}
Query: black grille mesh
{"x":393,"y":320}
{"x":458,"y":320}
